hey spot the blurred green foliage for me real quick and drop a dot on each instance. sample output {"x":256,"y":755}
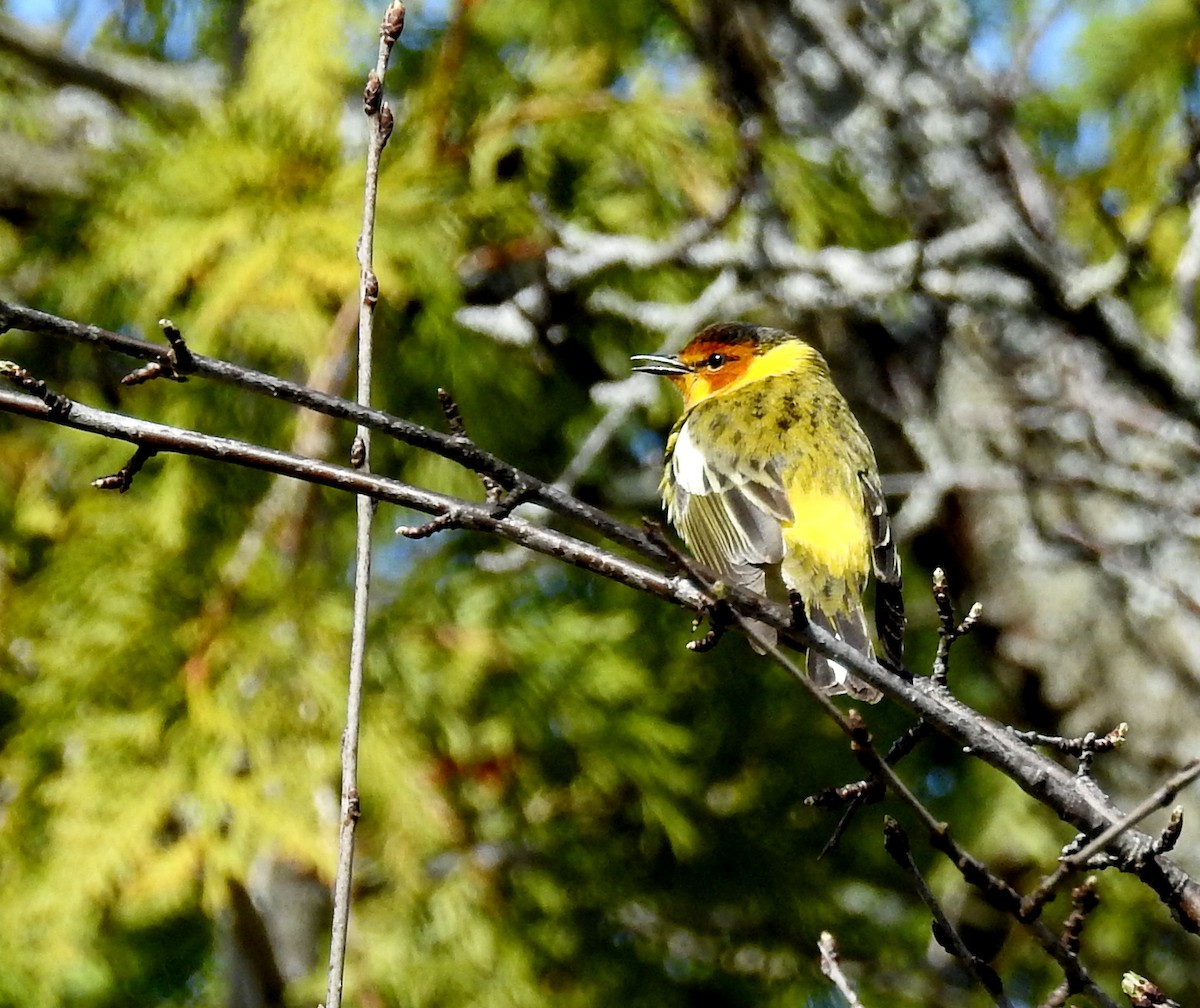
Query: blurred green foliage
{"x":561,"y":805}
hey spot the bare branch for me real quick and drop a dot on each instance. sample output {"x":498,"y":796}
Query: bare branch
{"x":949,"y":631}
{"x":1134,"y":858}
{"x":895,"y":841}
{"x":457,"y":449}
{"x":122,"y":79}
{"x":1091,"y":743}
{"x":380,"y":124}
{"x":1041,"y":778}
{"x":1083,"y":901}
{"x":479,"y":517}
{"x":831,"y":967}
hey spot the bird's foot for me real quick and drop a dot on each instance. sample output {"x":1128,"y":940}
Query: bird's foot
{"x":720,"y":618}
{"x":799,"y":612}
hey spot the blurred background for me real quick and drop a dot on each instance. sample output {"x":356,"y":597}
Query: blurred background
{"x":985,"y":214}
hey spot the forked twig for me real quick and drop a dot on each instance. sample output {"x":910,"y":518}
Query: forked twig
{"x":122,"y":479}
{"x":1081,"y":858}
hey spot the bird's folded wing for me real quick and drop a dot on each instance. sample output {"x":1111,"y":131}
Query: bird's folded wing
{"x":729,"y":511}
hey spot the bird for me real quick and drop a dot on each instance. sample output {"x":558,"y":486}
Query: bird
{"x":770,"y":481}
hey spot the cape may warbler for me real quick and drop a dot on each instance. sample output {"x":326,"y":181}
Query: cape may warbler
{"x":770,"y":481}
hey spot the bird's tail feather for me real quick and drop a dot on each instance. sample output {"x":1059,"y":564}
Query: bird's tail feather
{"x":889,"y":620}
{"x":832,"y":677}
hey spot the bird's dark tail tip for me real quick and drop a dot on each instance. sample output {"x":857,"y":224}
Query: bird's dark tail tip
{"x":832,"y":677}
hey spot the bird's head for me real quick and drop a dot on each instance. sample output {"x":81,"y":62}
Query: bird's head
{"x":727,"y":356}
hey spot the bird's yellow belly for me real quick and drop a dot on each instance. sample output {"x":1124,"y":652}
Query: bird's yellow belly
{"x":827,"y":548}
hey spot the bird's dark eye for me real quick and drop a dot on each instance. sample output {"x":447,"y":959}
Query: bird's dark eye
{"x":714,"y":362}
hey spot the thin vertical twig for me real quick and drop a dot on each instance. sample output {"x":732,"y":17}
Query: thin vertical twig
{"x":831,"y":967}
{"x":380,"y":122}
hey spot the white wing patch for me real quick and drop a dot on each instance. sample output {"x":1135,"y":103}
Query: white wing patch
{"x":688,"y":464}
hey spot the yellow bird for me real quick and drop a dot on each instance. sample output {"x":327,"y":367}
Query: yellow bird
{"x":770,"y":481}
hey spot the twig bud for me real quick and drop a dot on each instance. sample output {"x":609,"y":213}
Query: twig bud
{"x":372,"y":93}
{"x":181,"y":356}
{"x":26,"y":382}
{"x":387,"y":122}
{"x":971,"y":619}
{"x":895,"y":840}
{"x":451,"y":412}
{"x":1084,"y":895}
{"x":1169,"y":837}
{"x":1144,"y":994}
{"x":392,"y":24}
{"x":122,"y":480}
{"x":370,"y":287}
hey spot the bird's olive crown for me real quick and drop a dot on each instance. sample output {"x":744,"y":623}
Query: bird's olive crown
{"x":743,"y":334}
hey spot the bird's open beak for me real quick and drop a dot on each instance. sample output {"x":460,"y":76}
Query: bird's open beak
{"x":659,"y":365}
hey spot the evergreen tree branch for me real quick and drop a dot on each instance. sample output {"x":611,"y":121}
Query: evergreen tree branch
{"x":993,"y":269}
